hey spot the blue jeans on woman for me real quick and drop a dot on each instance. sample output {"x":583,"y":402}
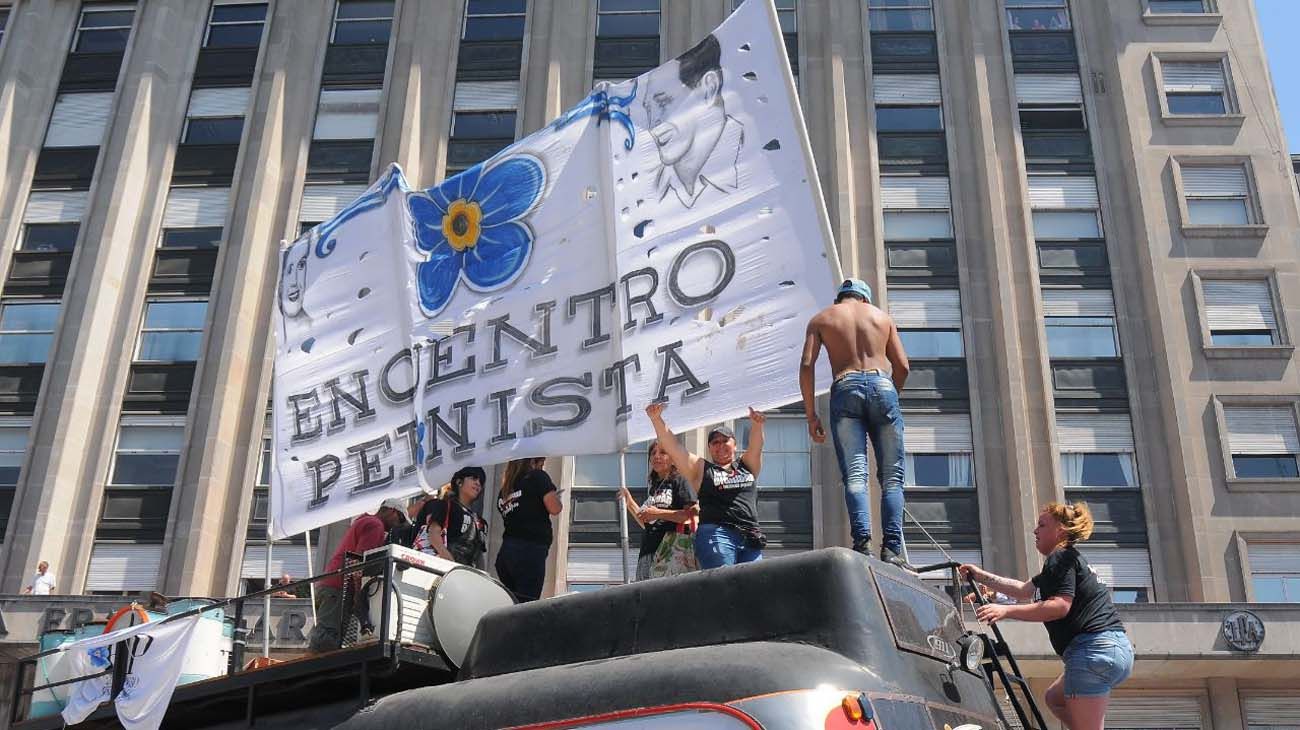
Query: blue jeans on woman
{"x":718,"y":545}
{"x":864,"y":410}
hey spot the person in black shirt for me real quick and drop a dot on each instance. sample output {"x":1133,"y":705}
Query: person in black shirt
{"x":668,"y":510}
{"x":1080,"y":617}
{"x":527,"y":501}
{"x":726,"y":487}
{"x":448,"y":525}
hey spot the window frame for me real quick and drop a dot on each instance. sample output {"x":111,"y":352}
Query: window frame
{"x":26,"y":229}
{"x":335,"y":20}
{"x":113,"y":8}
{"x":1041,"y":5}
{"x":185,"y":133}
{"x":14,"y":422}
{"x":774,"y":416}
{"x":1244,"y":539}
{"x":1209,"y":16}
{"x":1232,"y":482}
{"x":20,"y":301}
{"x":911,"y":473}
{"x":5,"y":13}
{"x":207,"y":31}
{"x":886,"y":11}
{"x":465,"y":19}
{"x":1256,"y":225}
{"x":1231,"y":115}
{"x":1282,"y":348}
{"x":145,"y":330}
{"x":659,"y":13}
{"x":1054,"y":321}
{"x":128,"y":421}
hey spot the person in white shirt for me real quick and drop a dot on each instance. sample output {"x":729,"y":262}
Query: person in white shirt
{"x":43,"y":582}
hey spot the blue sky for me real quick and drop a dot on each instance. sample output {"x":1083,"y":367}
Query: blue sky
{"x":1279,"y":20}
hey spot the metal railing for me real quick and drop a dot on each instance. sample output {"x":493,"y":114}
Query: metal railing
{"x":354,"y":565}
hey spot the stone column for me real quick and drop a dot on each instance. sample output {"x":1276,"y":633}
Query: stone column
{"x":232,"y":385}
{"x":71,"y":445}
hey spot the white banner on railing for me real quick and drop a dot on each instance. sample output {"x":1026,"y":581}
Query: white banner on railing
{"x":663,"y":240}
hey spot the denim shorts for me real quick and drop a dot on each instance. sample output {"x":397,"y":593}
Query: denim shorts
{"x":1096,"y":663}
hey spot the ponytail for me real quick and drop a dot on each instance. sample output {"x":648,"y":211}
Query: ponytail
{"x":1076,"y":518}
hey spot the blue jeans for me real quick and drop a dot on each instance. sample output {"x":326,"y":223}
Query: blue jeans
{"x":864,"y":409}
{"x":718,"y":545}
{"x":1096,"y":663}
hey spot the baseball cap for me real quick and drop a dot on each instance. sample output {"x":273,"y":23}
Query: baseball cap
{"x":724,"y":431}
{"x":394,"y":503}
{"x":856,"y":287}
{"x":470,"y":471}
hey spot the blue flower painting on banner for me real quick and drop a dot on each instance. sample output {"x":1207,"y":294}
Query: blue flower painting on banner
{"x":474,"y":226}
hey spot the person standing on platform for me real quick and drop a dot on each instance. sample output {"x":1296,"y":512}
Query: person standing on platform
{"x":726,"y":487}
{"x":42,"y":581}
{"x":366,"y":533}
{"x":666,"y":516}
{"x":1077,"y":610}
{"x":861,"y":340}
{"x":527,"y":501}
{"x":447,"y":524}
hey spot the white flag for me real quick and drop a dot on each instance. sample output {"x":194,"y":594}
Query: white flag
{"x":155,"y":654}
{"x":663,"y":240}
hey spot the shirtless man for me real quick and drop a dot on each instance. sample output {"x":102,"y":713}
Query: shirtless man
{"x":861,"y":340}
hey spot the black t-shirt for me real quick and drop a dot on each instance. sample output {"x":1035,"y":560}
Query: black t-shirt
{"x":728,"y":496}
{"x":671,"y":493}
{"x":1066,"y":573}
{"x":525,"y":515}
{"x":463,"y":524}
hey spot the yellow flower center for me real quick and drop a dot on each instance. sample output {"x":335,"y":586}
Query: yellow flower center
{"x":461,"y":225}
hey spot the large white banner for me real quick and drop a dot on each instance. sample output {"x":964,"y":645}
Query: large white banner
{"x":663,"y":240}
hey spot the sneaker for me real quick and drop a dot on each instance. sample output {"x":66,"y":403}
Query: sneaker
{"x":862,"y":545}
{"x":893,"y":558}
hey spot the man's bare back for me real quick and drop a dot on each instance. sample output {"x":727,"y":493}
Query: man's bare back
{"x":857,"y":336}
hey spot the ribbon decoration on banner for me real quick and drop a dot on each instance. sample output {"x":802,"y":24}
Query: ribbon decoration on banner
{"x":665,"y":240}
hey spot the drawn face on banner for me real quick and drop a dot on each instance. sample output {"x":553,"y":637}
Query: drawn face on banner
{"x":697,"y":141}
{"x":293,"y":278}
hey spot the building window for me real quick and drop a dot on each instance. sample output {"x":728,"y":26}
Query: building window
{"x":1196,"y":88}
{"x":1177,"y":7}
{"x":924,"y":344}
{"x":173,"y":330}
{"x":939,"y":451}
{"x":1217,"y":195}
{"x":1096,"y":450}
{"x":1080,"y":323}
{"x":1064,"y":207}
{"x":148,"y":452}
{"x":900,"y":15}
{"x":1239,"y":313}
{"x":4,"y":21}
{"x":494,"y":20}
{"x":27,"y":330}
{"x":627,"y":19}
{"x":1274,"y":572}
{"x":103,"y":29}
{"x":210,"y":130}
{"x":601,"y":470}
{"x":909,"y":119}
{"x":1034,"y":118}
{"x":1037,"y":15}
{"x":917,"y":225}
{"x":1081,"y":337}
{"x":13,"y":448}
{"x":236,"y":26}
{"x":194,"y":217}
{"x":49,"y":237}
{"x":916,"y":208}
{"x":786,"y":449}
{"x":362,"y":22}
{"x":1262,"y":441}
{"x":482,"y":122}
{"x":1126,"y":571}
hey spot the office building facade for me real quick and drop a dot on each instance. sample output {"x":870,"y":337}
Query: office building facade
{"x":1080,"y":213}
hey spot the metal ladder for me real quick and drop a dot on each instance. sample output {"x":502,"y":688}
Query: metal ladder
{"x":999,"y":663}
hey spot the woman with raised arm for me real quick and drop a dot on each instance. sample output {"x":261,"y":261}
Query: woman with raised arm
{"x":726,"y":487}
{"x":527,"y":501}
{"x":1077,"y":610}
{"x":665,"y":516}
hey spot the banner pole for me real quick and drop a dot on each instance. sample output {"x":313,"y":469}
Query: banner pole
{"x":311,"y":568}
{"x":622,"y":511}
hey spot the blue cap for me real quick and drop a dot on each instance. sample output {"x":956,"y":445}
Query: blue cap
{"x":856,"y":287}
